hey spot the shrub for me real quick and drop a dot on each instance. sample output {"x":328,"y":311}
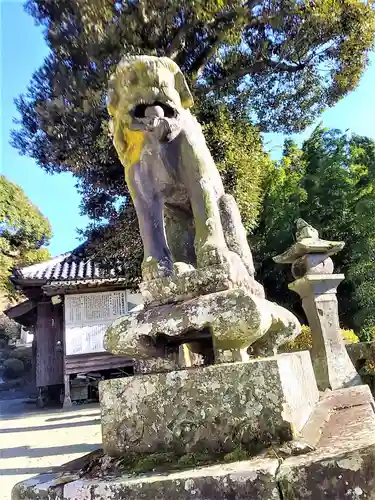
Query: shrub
{"x":24,"y":353}
{"x":13,"y":368}
{"x":349,"y":337}
{"x":369,"y":367}
{"x":304,"y":340}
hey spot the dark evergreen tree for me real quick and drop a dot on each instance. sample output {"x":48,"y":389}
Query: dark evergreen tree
{"x":330,"y":184}
{"x":276,"y":63}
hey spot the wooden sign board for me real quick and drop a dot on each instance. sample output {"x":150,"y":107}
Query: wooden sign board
{"x":88,"y":315}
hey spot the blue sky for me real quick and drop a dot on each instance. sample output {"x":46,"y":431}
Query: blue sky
{"x":22,"y":51}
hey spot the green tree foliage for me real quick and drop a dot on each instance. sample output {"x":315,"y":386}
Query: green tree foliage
{"x":361,"y":270}
{"x":238,"y":150}
{"x":278,"y":62}
{"x":329,"y":183}
{"x":23,"y":232}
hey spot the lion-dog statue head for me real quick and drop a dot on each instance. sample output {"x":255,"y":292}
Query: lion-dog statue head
{"x":139,"y":82}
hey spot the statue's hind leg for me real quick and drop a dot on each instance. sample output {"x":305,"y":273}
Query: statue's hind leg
{"x":179,"y":227}
{"x":234,"y":232}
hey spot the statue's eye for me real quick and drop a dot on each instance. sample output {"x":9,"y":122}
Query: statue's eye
{"x":133,"y":79}
{"x":130,"y":79}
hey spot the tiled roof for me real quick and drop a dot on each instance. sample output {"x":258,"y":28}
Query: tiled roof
{"x":70,"y":266}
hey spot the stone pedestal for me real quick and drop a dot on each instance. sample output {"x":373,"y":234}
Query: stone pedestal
{"x":213,"y":409}
{"x":332,"y":364}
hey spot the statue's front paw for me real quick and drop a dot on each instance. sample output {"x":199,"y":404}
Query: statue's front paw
{"x":153,"y":269}
{"x":212,"y":255}
{"x":181,"y":268}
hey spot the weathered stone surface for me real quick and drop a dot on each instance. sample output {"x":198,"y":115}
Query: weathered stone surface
{"x":50,"y":485}
{"x":215,"y":408}
{"x":343,"y":465}
{"x":240,"y":481}
{"x":331,"y":402}
{"x":236,"y":318}
{"x":245,"y":480}
{"x":181,"y":357}
{"x":188,"y":283}
{"x":308,"y":246}
{"x":332,"y":364}
{"x":234,"y":231}
{"x":313,"y":263}
{"x":42,"y":487}
{"x":308,"y":242}
{"x":156,"y":365}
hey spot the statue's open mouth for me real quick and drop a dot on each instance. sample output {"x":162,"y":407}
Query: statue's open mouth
{"x":157,"y":118}
{"x":140,"y":110}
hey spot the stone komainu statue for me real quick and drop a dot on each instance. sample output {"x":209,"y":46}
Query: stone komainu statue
{"x":197,"y":263}
{"x":183,"y":212}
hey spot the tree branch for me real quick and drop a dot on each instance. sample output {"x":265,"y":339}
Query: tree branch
{"x":251,"y":4}
{"x":9,"y":254}
{"x":178,"y":41}
{"x":204,"y":56}
{"x":257,"y":67}
{"x":226,"y":18}
{"x":229,"y":18}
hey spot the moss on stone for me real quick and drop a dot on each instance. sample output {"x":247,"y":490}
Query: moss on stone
{"x":134,"y":464}
{"x":237,"y":455}
{"x":148,"y":463}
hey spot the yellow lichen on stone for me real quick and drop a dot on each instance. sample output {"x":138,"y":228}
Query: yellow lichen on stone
{"x":134,"y":140}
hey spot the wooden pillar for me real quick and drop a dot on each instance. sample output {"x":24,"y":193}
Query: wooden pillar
{"x":67,"y":399}
{"x":49,"y":359}
{"x":33,"y":358}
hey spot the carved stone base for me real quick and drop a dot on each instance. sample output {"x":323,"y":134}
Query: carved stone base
{"x":187,"y":283}
{"x":234,"y":319}
{"x":215,"y":408}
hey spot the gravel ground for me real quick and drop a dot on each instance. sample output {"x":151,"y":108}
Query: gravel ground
{"x":31,"y":440}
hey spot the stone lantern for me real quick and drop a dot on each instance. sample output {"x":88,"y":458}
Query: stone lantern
{"x":315,"y":283}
